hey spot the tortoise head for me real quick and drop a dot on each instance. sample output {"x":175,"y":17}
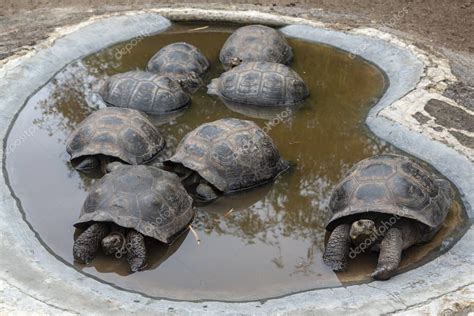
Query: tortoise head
{"x":88,"y":164}
{"x":234,"y":62}
{"x":191,"y":82}
{"x":113,"y":243}
{"x":111,"y":166}
{"x":103,"y":163}
{"x":362,"y":230}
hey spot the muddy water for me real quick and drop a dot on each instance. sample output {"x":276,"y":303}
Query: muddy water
{"x":254,"y":245}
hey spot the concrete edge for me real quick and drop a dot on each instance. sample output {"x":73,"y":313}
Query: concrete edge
{"x":64,"y":289}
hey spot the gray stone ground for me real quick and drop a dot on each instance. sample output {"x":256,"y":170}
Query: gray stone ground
{"x":443,"y":112}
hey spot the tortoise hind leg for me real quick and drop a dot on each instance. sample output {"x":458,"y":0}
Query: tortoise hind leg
{"x":88,"y":243}
{"x":390,"y":254}
{"x":136,"y":251}
{"x":337,"y":248}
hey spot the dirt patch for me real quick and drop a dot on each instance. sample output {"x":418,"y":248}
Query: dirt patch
{"x":421,"y":118}
{"x":438,"y":23}
{"x":450,"y":116}
{"x":462,"y":94}
{"x":463,"y":139}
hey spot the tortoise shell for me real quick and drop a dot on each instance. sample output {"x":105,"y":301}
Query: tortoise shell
{"x":391,"y":184}
{"x":150,"y":200}
{"x":144,"y":91}
{"x":261,"y":84}
{"x":256,"y":43}
{"x":230,"y":154}
{"x":177,"y":60}
{"x":121,"y":133}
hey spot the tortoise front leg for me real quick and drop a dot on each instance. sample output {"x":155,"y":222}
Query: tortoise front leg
{"x":337,"y":248}
{"x":390,"y":254}
{"x":136,"y":251}
{"x":88,"y":243}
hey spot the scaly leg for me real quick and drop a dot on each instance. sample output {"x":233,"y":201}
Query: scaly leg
{"x":87,"y":244}
{"x":337,"y":248}
{"x":136,"y":251}
{"x":390,"y":254}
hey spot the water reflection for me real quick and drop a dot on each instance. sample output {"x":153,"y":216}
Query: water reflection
{"x":272,"y":114}
{"x":68,"y":98}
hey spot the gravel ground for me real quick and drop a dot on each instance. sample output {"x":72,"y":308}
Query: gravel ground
{"x":443,"y":23}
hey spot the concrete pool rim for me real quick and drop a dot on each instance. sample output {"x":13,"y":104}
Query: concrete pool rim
{"x":404,"y":67}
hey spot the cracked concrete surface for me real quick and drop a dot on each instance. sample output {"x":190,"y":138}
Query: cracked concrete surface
{"x":457,"y":302}
{"x":13,"y":299}
{"x":35,"y":281}
{"x":437,"y":116}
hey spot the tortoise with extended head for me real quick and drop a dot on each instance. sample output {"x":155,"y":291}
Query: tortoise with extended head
{"x":385,"y":203}
{"x":144,"y":91}
{"x":225,"y":156}
{"x":113,"y":134}
{"x":180,"y":61}
{"x":128,"y":205}
{"x":255,"y":43}
{"x":260,"y":84}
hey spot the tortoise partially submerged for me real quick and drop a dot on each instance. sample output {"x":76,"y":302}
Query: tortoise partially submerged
{"x":113,"y":134}
{"x":386,"y":203}
{"x":144,"y":91}
{"x":255,"y":43}
{"x":225,"y":156}
{"x":128,"y":205}
{"x":260,"y":84}
{"x":181,"y":61}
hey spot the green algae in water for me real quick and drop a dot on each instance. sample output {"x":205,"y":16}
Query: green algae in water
{"x":263,"y":243}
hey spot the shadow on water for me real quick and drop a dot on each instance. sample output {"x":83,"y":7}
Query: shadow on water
{"x":254,"y":245}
